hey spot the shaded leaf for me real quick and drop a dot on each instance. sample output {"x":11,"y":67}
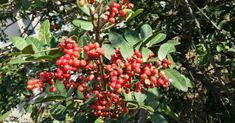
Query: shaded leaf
{"x":53,"y":98}
{"x":86,"y":25}
{"x":131,"y":37}
{"x":116,"y":39}
{"x":158,"y":118}
{"x":28,"y":50}
{"x":145,"y":31}
{"x":108,"y":50}
{"x":58,"y":112}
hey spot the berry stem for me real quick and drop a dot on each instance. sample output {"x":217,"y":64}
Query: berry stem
{"x":96,"y":28}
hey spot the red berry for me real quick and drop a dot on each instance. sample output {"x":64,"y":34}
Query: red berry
{"x":52,"y":89}
{"x":123,"y":13}
{"x":130,"y":6}
{"x":112,"y":20}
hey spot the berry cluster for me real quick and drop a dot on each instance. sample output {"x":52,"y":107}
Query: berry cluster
{"x":93,"y":50}
{"x":116,"y":10}
{"x":34,"y":83}
{"x":103,"y":106}
{"x":90,"y":76}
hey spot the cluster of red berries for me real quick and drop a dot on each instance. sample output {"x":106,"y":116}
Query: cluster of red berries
{"x":34,"y":83}
{"x":103,"y":106}
{"x":106,"y":82}
{"x":116,"y":10}
{"x":45,"y":77}
{"x":93,"y":50}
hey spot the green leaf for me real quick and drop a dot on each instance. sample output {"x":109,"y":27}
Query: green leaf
{"x":127,"y":97}
{"x":53,"y":98}
{"x":70,"y":92}
{"x":108,"y":50}
{"x":3,"y":2}
{"x":165,"y":109}
{"x":158,"y":118}
{"x":174,"y":42}
{"x":156,"y":39}
{"x":165,"y":49}
{"x":5,"y":115}
{"x":140,"y":98}
{"x":28,"y":50}
{"x":99,"y":120}
{"x":85,"y":8}
{"x":36,"y":44}
{"x":145,"y":53}
{"x":18,"y":60}
{"x":177,"y":79}
{"x":44,"y":33}
{"x":131,"y":37}
{"x":145,"y":31}
{"x":19,"y":42}
{"x":60,"y":88}
{"x":171,"y":59}
{"x":129,"y":13}
{"x":58,"y":112}
{"x":136,"y":13}
{"x":189,"y":82}
{"x":231,"y":51}
{"x":116,"y":39}
{"x":152,"y":98}
{"x":126,"y":51}
{"x":86,"y":25}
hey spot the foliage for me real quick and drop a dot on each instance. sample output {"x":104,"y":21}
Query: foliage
{"x":205,"y":55}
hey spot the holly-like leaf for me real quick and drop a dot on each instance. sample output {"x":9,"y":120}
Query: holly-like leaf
{"x":156,"y":39}
{"x":19,"y":42}
{"x":108,"y":50}
{"x":165,"y":49}
{"x":177,"y":79}
{"x":83,"y":24}
{"x":44,"y":33}
{"x":145,"y":31}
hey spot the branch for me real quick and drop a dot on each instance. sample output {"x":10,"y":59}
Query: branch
{"x":202,"y":39}
{"x":204,"y":14}
{"x":211,"y":59}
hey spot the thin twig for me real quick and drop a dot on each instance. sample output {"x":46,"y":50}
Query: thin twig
{"x":204,"y":14}
{"x":211,"y":59}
